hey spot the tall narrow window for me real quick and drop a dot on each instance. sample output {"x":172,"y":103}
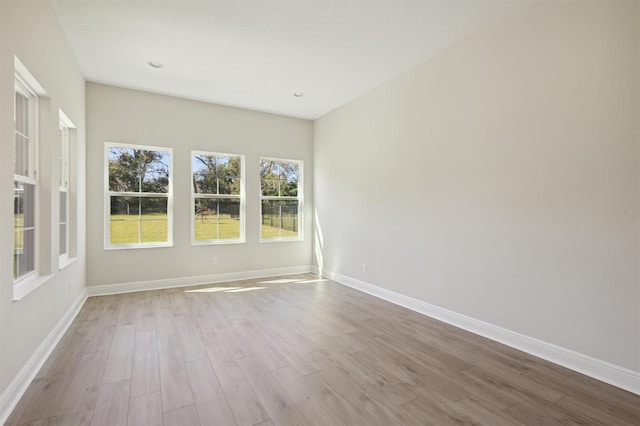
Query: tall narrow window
{"x":217,"y":200}
{"x":25,"y":179}
{"x":64,"y":192}
{"x":281,"y":199}
{"x":138,"y":196}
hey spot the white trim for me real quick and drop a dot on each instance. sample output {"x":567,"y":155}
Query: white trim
{"x":280,"y":240}
{"x":64,"y":118}
{"x":27,"y":77}
{"x":68,"y":260}
{"x":28,"y":86}
{"x":28,"y":284}
{"x":103,"y":290}
{"x":64,"y":187}
{"x":18,"y":386}
{"x":601,"y":370}
{"x":33,"y":128}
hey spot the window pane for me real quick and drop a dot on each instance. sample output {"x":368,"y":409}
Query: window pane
{"x":269,"y":178}
{"x":138,"y":220}
{"x":63,"y":206}
{"x":21,"y":164}
{"x":289,"y":179}
{"x":63,"y":238}
{"x":279,"y":179}
{"x":216,"y":175}
{"x":63,"y":222}
{"x":22,"y":113}
{"x":216,"y":219}
{"x":23,"y":229}
{"x":279,"y":219}
{"x":21,"y":142}
{"x":138,"y":170}
{"x":64,"y":156}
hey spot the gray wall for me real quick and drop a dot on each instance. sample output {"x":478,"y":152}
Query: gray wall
{"x":489,"y":180}
{"x":30,"y":30}
{"x":130,"y":116}
{"x":480,"y":181}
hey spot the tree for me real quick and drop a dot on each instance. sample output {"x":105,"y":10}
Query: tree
{"x":137,"y":170}
{"x":134,"y":171}
{"x":279,"y":179}
{"x":217,"y":175}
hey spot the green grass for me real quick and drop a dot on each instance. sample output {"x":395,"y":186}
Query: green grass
{"x":153,"y":228}
{"x":130,"y":229}
{"x":213,"y":227}
{"x":267,"y":231}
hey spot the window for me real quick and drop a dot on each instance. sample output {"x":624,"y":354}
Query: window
{"x":138,"y":196}
{"x":281,"y":199}
{"x":217,"y":198}
{"x":25,"y":178}
{"x":64,"y":190}
{"x":67,"y":190}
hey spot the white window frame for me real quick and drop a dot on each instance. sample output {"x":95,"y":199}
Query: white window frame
{"x":31,"y":178}
{"x":108,"y":194}
{"x":240,"y":197}
{"x":300,"y":198}
{"x":66,"y":126}
{"x":27,"y":85}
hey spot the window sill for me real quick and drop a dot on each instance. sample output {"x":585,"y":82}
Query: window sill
{"x":216,"y":242}
{"x":65,"y":261}
{"x":281,"y":240}
{"x":23,"y":288}
{"x":138,"y":246}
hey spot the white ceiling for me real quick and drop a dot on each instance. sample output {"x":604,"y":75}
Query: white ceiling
{"x":256,"y":53}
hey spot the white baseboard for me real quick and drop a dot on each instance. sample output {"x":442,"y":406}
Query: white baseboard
{"x":606,"y":372}
{"x":103,"y":290}
{"x":18,"y":386}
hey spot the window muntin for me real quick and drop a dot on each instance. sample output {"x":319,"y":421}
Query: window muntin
{"x":25,"y":181}
{"x":217,"y":198}
{"x":280,"y":199}
{"x":138,"y":196}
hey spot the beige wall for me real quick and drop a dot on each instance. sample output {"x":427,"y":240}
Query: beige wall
{"x":488,"y":180}
{"x":30,"y":31}
{"x":129,"y":116}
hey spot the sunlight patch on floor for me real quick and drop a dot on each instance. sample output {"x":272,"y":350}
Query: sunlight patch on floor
{"x":240,"y":290}
{"x":293,"y":281}
{"x":211,"y":289}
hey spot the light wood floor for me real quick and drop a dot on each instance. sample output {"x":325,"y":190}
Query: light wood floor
{"x":296,"y":350}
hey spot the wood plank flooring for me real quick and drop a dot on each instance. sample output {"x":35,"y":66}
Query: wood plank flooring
{"x":296,"y":350}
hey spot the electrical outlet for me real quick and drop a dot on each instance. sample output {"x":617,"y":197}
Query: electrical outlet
{"x":364,"y":267}
{"x":214,"y":260}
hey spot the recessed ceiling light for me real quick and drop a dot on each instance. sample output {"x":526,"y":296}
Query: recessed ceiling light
{"x":298,"y":94}
{"x":155,"y":64}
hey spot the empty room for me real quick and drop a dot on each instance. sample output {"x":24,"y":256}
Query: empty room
{"x":319,"y":212}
